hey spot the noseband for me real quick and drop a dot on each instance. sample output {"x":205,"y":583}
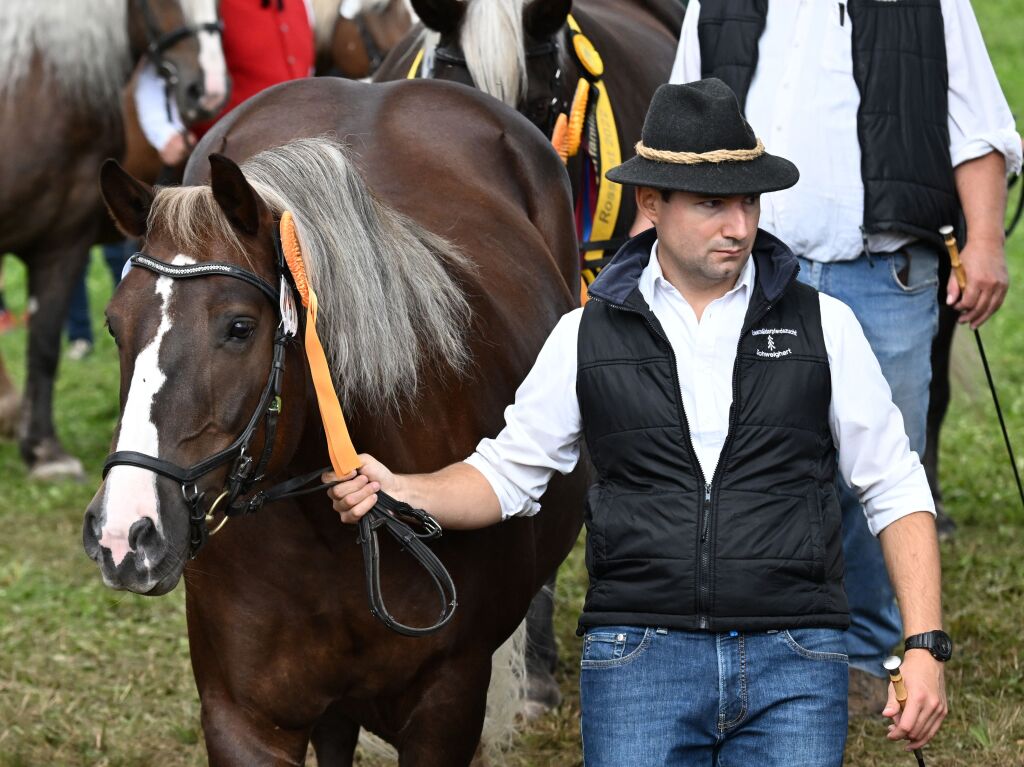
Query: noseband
{"x":246,"y":471}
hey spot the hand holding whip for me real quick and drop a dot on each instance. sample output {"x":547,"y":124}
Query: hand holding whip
{"x":961,"y":280}
{"x":892,"y":665}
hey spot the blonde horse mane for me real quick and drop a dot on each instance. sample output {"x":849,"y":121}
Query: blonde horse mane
{"x":492,"y":40}
{"x":388,"y":300}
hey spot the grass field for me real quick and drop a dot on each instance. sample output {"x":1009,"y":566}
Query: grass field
{"x":93,"y":677}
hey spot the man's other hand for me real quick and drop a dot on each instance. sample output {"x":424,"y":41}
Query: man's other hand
{"x":926,"y":705}
{"x":177,"y":149}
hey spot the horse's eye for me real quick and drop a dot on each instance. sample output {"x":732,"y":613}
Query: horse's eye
{"x":241,"y":329}
{"x":110,"y":329}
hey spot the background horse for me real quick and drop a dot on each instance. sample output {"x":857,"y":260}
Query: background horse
{"x":442,"y":250}
{"x":521,"y":52}
{"x":354,"y":38}
{"x":65,"y":63}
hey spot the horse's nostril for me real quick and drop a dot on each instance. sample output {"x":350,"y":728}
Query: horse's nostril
{"x":195,"y":92}
{"x":92,"y":529}
{"x":140,"y":533}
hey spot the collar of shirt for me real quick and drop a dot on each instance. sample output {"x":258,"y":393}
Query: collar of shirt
{"x":653,"y":282}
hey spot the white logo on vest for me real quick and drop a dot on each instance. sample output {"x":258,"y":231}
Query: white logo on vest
{"x":773,"y":352}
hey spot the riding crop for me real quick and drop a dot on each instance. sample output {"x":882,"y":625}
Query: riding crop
{"x":892,"y":665}
{"x":961,"y":280}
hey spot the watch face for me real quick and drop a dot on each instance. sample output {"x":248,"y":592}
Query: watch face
{"x":943,"y":645}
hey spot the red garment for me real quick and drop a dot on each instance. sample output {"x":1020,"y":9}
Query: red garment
{"x":266,"y":42}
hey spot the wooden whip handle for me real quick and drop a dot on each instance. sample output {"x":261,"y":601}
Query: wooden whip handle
{"x":954,"y":256}
{"x":901,"y":689}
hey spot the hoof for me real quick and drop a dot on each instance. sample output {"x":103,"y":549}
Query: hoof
{"x":10,"y":414}
{"x":542,"y":696}
{"x":53,"y":464}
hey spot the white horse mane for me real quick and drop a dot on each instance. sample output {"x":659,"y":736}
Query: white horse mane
{"x":493,"y":43}
{"x":83,"y":45}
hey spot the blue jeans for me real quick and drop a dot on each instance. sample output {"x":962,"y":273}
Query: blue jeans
{"x":79,"y":324}
{"x":678,"y":698}
{"x":899,"y":316}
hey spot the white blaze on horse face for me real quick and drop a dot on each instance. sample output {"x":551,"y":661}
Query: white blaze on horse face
{"x":131,"y":491}
{"x":211,"y":56}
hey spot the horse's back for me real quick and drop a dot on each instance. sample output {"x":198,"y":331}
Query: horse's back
{"x":458,"y":162}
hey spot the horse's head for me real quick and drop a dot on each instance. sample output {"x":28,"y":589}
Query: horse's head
{"x":508,"y":49}
{"x":182,"y":39}
{"x":363,"y":33}
{"x":198,"y":357}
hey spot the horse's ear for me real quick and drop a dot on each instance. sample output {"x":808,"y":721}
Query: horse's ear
{"x":442,"y":16}
{"x":127,"y":198}
{"x":543,"y":18}
{"x":237,"y":199}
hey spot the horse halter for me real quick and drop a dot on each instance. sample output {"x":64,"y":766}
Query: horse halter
{"x":158,"y":42}
{"x":245,"y":473}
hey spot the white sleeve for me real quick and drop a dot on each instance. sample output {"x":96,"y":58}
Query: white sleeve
{"x":875,"y":457}
{"x":151,"y":107}
{"x":980,"y":120}
{"x":686,"y":68}
{"x":542,"y":427}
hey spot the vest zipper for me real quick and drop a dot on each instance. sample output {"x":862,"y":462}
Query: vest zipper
{"x":704,"y":571}
{"x":704,"y":574}
{"x":705,"y":512}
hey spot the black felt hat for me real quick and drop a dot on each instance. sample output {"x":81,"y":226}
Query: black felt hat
{"x":695,"y":140}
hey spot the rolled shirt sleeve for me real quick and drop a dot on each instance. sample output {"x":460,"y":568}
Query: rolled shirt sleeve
{"x":980,"y":120}
{"x":875,"y":457}
{"x":542,"y":427}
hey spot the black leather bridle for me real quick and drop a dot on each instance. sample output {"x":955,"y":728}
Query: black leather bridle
{"x":247,"y":471}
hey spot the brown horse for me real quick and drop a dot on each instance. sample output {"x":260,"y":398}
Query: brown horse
{"x":441,"y":247}
{"x":521,"y":52}
{"x":64,"y":64}
{"x":354,"y":38}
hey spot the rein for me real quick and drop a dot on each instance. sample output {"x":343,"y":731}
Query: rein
{"x":246,"y":471}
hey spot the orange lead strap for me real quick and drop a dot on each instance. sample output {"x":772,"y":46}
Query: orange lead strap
{"x":339,"y":443}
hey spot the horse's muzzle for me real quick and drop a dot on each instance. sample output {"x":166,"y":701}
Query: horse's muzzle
{"x":148,"y":567}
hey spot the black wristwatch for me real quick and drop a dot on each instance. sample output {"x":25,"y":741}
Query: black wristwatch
{"x":937,"y":643}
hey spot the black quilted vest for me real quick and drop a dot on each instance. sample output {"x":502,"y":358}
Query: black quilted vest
{"x":756,"y":547}
{"x":899,"y":65}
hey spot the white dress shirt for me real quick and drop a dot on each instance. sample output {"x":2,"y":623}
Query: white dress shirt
{"x":803,"y":104}
{"x":543,"y":427}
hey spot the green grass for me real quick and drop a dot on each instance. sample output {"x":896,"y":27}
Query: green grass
{"x":93,"y":677}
